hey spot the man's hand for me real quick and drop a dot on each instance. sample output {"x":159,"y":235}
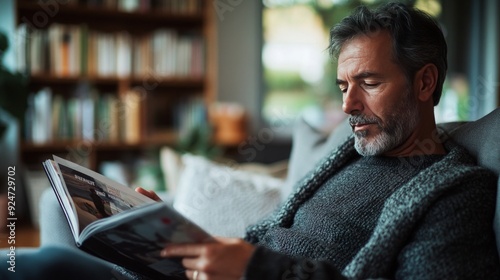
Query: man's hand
{"x":225,"y":259}
{"x":150,"y":194}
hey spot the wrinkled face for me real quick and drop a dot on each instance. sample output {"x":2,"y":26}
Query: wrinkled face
{"x":376,"y":94}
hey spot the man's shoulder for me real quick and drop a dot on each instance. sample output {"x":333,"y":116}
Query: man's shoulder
{"x":459,"y":157}
{"x":455,"y":171}
{"x":459,"y":163}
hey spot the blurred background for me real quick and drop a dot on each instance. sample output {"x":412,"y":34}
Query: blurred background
{"x":108,"y":83}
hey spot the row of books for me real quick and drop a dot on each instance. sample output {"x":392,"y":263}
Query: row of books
{"x":76,"y":51}
{"x":89,"y":116}
{"x":101,"y":117}
{"x":163,"y":6}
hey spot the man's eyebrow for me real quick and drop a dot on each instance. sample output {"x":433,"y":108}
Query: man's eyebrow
{"x":363,"y":75}
{"x":360,"y":76}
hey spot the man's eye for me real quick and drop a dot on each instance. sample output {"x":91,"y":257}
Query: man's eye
{"x":371,"y":85}
{"x":343,"y":89}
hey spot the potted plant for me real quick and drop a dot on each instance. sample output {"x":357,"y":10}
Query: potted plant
{"x":13,"y":89}
{"x":13,"y":103}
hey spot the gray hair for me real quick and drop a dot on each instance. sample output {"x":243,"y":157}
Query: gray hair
{"x":416,"y":38}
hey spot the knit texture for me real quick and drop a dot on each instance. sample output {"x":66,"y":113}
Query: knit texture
{"x":415,"y":223}
{"x":344,"y":211}
{"x":307,"y":187}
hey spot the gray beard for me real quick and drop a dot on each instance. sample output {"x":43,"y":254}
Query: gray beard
{"x":396,"y":129}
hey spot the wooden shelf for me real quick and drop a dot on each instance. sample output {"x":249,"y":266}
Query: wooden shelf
{"x":163,"y":82}
{"x":61,"y":146}
{"x":96,"y":16}
{"x":51,"y":79}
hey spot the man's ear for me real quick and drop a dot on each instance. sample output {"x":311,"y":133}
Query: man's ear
{"x":426,"y":81}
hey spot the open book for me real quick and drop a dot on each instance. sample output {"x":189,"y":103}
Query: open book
{"x":117,"y":224}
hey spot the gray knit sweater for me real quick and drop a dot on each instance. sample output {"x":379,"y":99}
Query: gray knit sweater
{"x":435,"y":222}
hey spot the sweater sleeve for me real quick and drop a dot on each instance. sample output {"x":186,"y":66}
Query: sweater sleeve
{"x":268,"y":264}
{"x":455,"y":239}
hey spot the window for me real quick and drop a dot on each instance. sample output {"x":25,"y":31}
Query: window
{"x":299,"y":76}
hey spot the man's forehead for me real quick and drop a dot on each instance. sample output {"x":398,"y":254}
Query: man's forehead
{"x":366,"y":55}
{"x":373,"y":44}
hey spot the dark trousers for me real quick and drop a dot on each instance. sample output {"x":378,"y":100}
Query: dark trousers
{"x":57,"y":263}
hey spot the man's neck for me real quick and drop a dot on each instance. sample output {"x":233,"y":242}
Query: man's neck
{"x":424,"y":140}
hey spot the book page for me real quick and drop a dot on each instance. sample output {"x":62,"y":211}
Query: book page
{"x":95,"y":196}
{"x":142,"y":234}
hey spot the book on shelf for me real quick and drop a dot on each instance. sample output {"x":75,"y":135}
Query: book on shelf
{"x":113,"y":222}
{"x":41,"y":118}
{"x":131,"y":117}
{"x":123,"y":54}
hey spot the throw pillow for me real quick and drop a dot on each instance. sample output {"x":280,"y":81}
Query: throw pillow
{"x":481,"y":139}
{"x":224,"y":200}
{"x":309,"y":146}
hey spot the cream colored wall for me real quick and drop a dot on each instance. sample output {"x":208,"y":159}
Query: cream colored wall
{"x":239,"y":54}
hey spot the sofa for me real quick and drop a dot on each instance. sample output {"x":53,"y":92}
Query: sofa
{"x":241,"y":194}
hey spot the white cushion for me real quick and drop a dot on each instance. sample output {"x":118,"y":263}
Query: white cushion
{"x":224,"y":200}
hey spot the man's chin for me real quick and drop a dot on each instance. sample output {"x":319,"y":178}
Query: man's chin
{"x":360,"y":134}
{"x":372,"y":146}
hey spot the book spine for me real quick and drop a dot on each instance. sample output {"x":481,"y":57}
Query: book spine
{"x":84,"y":50}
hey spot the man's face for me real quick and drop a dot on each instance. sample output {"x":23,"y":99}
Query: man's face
{"x":376,"y":94}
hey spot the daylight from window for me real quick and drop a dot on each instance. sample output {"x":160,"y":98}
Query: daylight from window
{"x":299,"y":76}
{"x":297,"y":65}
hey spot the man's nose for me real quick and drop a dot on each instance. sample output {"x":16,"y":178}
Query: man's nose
{"x":352,"y":103}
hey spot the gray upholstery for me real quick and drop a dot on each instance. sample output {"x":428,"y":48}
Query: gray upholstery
{"x":482,"y":139}
{"x":54,"y":228}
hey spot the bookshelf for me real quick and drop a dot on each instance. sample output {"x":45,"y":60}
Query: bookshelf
{"x":113,"y":79}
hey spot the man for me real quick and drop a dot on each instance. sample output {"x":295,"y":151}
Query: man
{"x":407,"y":208}
{"x":393,"y":201}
